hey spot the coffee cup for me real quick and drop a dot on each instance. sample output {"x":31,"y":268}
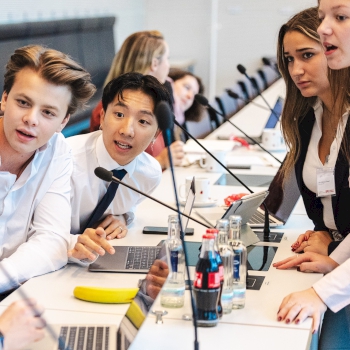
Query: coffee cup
{"x":272,"y":139}
{"x":211,"y":165}
{"x":202,"y":188}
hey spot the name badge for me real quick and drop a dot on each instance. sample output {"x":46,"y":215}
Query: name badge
{"x":325,"y":182}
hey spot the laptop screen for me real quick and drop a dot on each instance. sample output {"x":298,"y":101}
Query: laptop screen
{"x":273,"y":120}
{"x":282,"y":197}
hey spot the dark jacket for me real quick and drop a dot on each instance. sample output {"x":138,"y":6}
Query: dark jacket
{"x":341,"y":201}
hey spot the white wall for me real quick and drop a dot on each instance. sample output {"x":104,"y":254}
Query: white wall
{"x":247,"y":31}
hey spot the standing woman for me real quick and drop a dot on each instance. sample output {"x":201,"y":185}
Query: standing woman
{"x":333,"y":290}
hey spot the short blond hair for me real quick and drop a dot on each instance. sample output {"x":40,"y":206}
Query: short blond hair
{"x":56,"y":68}
{"x":137,"y":53}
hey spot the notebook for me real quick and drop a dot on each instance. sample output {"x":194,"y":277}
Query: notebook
{"x":101,"y":337}
{"x":138,"y":259}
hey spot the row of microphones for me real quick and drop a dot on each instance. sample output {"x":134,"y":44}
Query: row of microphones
{"x":166,"y":120}
{"x":267,"y":62}
{"x":235,"y":96}
{"x":254,"y":83}
{"x":204,"y":102}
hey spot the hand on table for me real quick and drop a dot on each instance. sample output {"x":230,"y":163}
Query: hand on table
{"x":300,"y":305}
{"x":92,"y":240}
{"x":156,"y":278}
{"x":114,"y":226}
{"x":20,"y":326}
{"x":308,"y":262}
{"x":313,"y":241}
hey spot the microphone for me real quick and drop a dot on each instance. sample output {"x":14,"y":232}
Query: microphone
{"x":204,"y":102}
{"x":107,"y":176}
{"x":237,"y":97}
{"x":166,"y":120}
{"x":243,"y":71}
{"x":267,"y":62}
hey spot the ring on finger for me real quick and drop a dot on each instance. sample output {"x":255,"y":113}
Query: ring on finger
{"x":121,"y":229}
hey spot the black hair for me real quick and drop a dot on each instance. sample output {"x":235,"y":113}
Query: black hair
{"x":147,"y":84}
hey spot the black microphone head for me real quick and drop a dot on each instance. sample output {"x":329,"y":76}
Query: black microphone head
{"x":103,"y":174}
{"x":241,"y":69}
{"x":201,"y":100}
{"x":266,"y":61}
{"x":164,"y":116}
{"x":232,"y":94}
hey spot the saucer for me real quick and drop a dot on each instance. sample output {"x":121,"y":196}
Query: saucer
{"x":209,"y":203}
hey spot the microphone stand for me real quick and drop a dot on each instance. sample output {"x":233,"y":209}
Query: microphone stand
{"x":237,"y":97}
{"x":115,"y":179}
{"x":266,"y":220}
{"x":194,"y":309}
{"x":243,"y":71}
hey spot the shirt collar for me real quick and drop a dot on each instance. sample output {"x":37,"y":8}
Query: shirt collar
{"x":106,"y":161}
{"x":318,"y":109}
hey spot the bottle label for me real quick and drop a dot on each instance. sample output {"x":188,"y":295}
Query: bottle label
{"x":199,"y":280}
{"x":213,"y":279}
{"x":174,"y":258}
{"x":221,"y":272}
{"x":236,"y":266}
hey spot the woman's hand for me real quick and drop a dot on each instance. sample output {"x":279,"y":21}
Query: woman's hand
{"x":300,"y":305}
{"x":313,"y":241}
{"x":308,"y":262}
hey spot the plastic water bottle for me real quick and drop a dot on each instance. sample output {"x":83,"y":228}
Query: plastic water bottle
{"x":206,"y":285}
{"x":226,"y":254}
{"x":173,"y":292}
{"x":239,"y":262}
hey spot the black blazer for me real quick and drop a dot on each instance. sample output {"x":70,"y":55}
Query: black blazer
{"x":341,"y":201}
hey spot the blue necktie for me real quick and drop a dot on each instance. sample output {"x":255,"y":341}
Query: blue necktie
{"x":106,"y":199}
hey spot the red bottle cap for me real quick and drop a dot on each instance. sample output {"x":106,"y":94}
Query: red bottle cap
{"x":208,"y":236}
{"x":212,"y":230}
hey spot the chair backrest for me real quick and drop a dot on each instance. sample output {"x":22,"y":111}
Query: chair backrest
{"x":270,"y":74}
{"x":228,"y":105}
{"x":202,"y":128}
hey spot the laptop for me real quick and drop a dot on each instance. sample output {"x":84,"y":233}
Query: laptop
{"x":271,"y":122}
{"x":138,"y":259}
{"x":106,"y":337}
{"x":280,"y":201}
{"x":246,"y":207}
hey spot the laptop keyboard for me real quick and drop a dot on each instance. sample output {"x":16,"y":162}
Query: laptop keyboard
{"x":259,"y":218}
{"x":85,"y":338}
{"x":141,"y":258}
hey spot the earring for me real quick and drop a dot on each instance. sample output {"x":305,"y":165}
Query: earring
{"x":100,"y":127}
{"x":152,"y":144}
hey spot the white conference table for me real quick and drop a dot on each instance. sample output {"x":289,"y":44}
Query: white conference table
{"x":255,"y":325}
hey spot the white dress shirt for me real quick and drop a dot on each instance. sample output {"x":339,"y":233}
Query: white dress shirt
{"x":34,"y":215}
{"x":312,"y":160}
{"x":89,"y":152}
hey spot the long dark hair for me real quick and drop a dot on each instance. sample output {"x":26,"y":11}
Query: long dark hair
{"x":195,"y":112}
{"x":296,"y":105}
